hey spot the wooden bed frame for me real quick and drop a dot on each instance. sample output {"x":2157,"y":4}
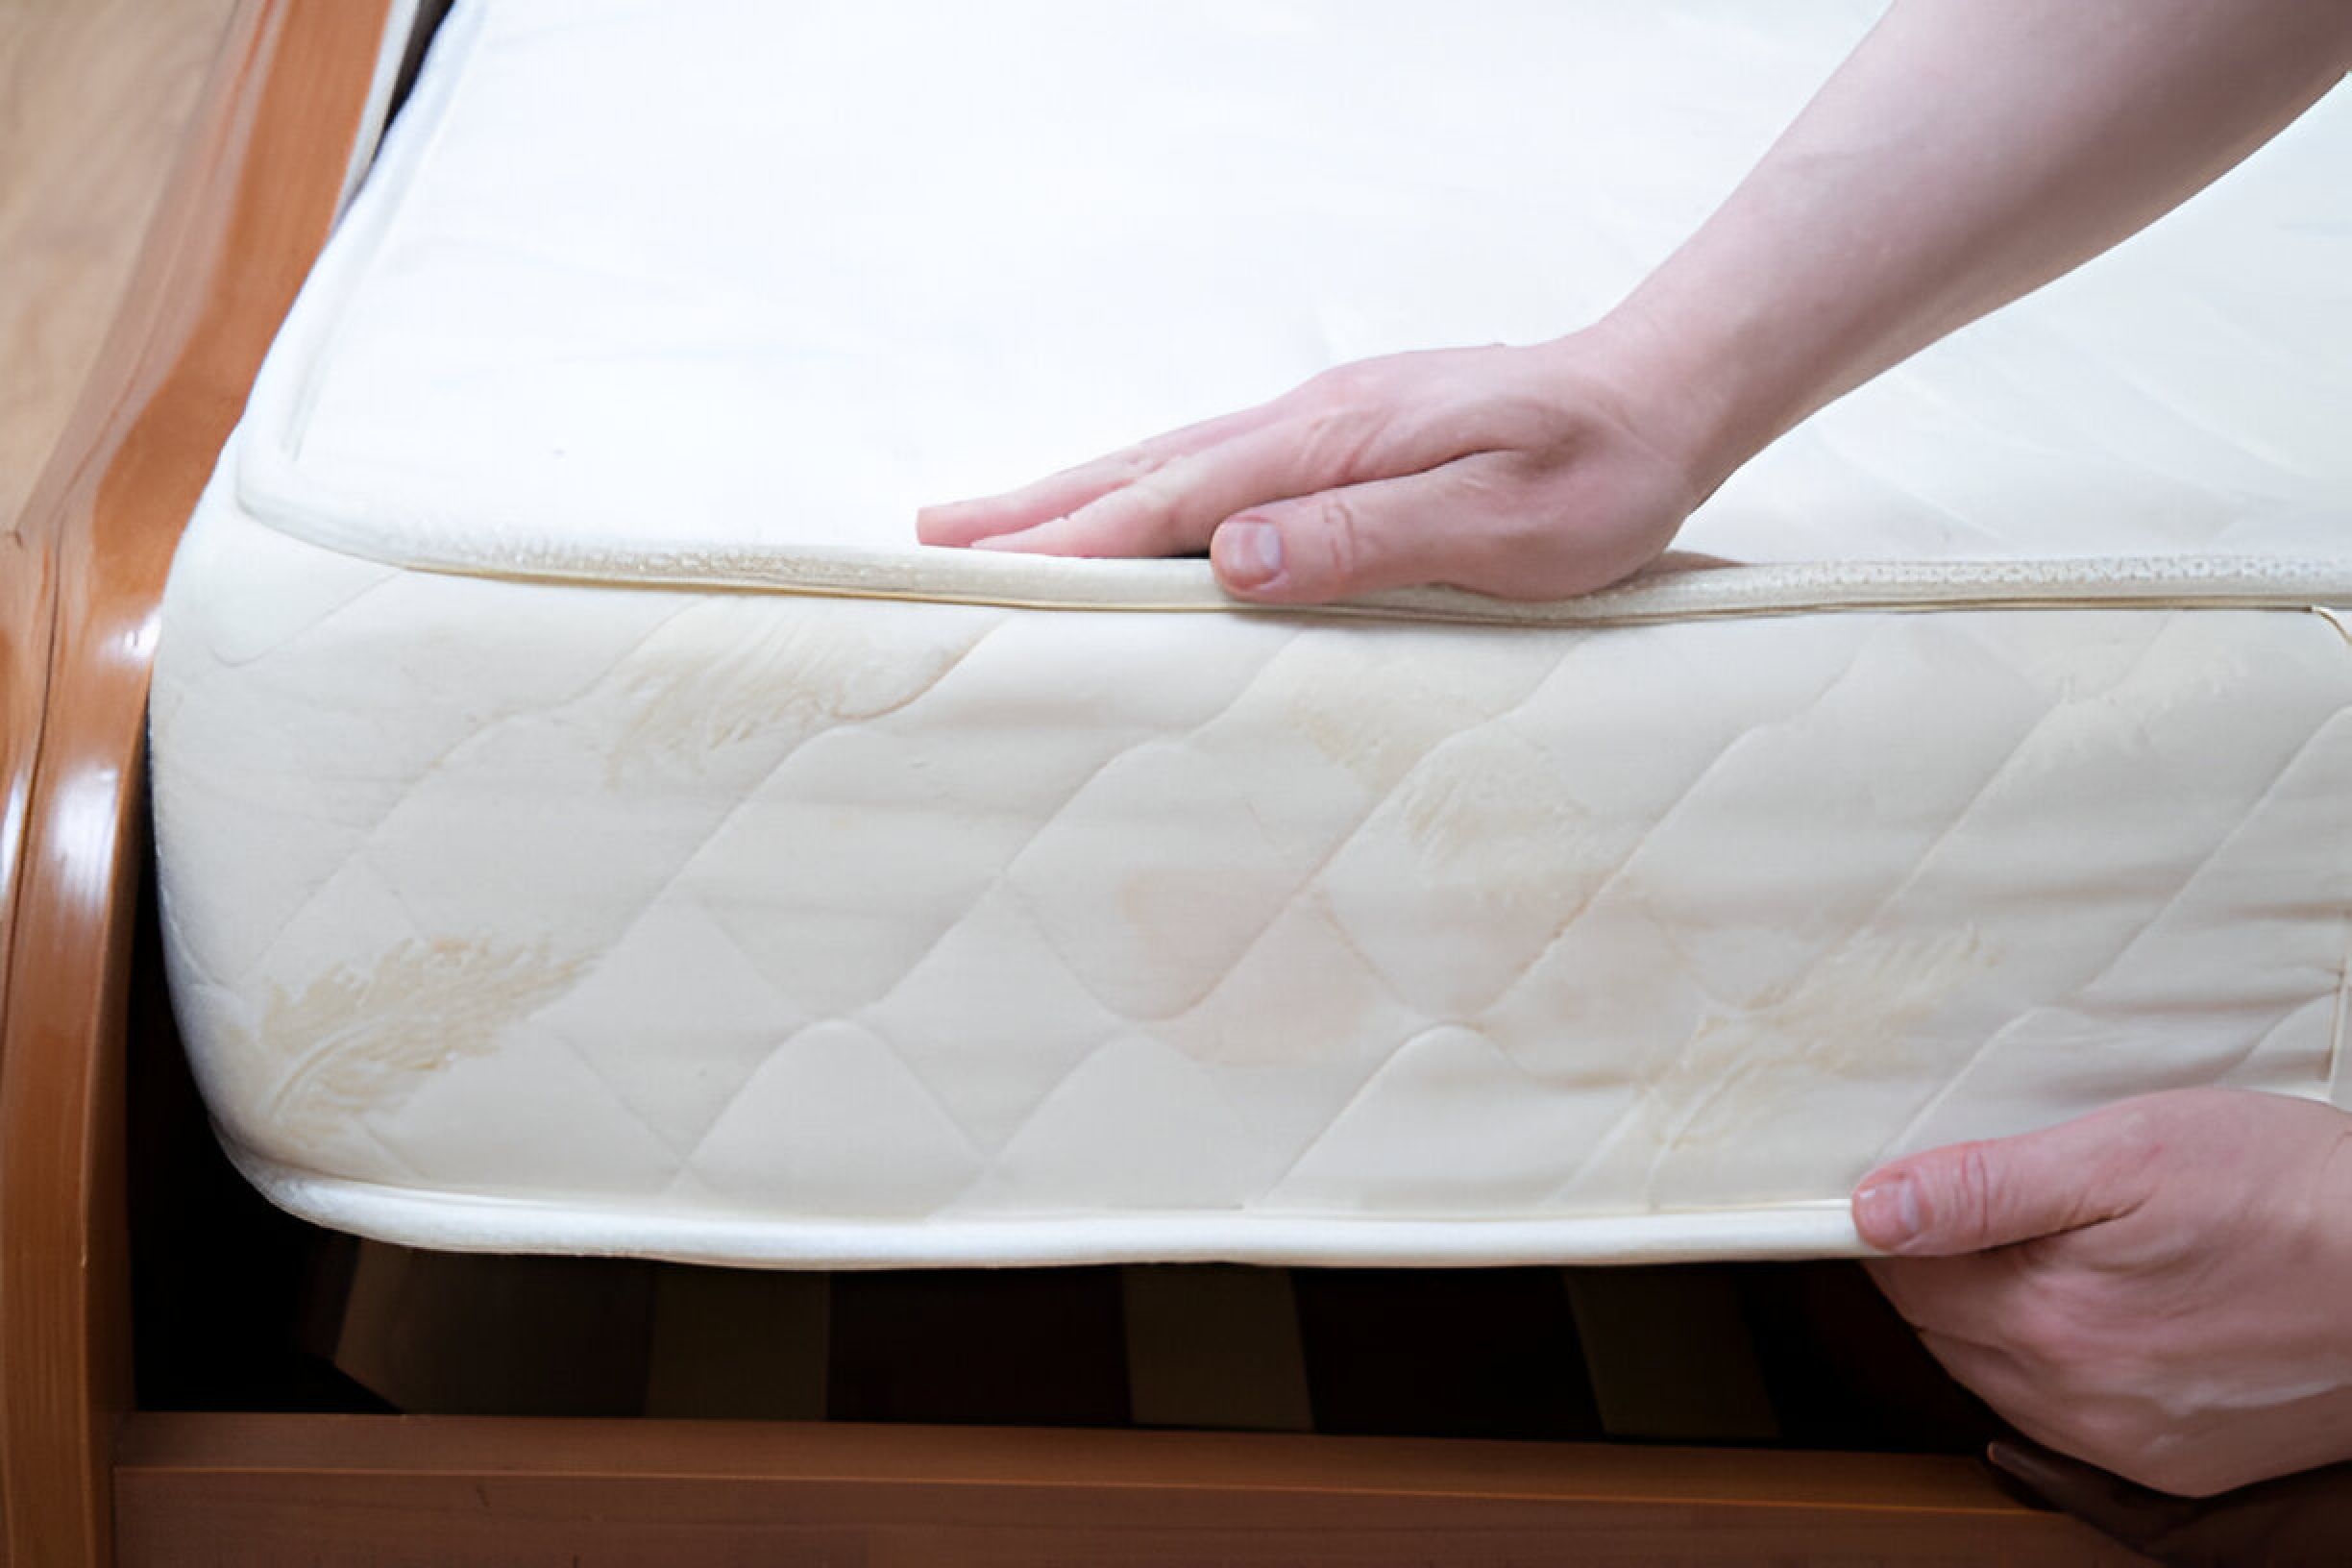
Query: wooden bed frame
{"x":86,"y":1477}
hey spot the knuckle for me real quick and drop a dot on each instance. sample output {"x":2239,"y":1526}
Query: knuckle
{"x":1362,"y":390}
{"x":1132,"y":466}
{"x":1337,"y":443}
{"x":1343,"y":386}
{"x":1341,"y":526}
{"x":2138,"y":1133}
{"x":1958,"y":1196}
{"x":1160,"y":485}
{"x":1155,"y":511}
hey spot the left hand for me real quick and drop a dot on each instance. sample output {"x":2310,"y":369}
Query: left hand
{"x":2163,"y":1288}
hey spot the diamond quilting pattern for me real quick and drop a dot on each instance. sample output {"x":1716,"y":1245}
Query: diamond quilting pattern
{"x":515,"y":900}
{"x":1411,"y":925}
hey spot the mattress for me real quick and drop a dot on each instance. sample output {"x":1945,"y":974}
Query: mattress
{"x":588,"y":822}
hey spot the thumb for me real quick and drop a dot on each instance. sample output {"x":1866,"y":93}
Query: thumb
{"x":1969,"y":1197}
{"x":1452,"y":524}
{"x":1332,"y":544}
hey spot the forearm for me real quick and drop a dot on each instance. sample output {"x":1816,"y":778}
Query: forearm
{"x":1968,"y":151}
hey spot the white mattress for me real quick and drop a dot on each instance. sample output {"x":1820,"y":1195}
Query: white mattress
{"x":589,"y":822}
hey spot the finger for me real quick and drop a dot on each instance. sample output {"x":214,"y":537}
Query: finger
{"x":1472,"y":522}
{"x":1338,"y":542}
{"x":969,"y":521}
{"x":1058,"y":495}
{"x":1173,"y":508}
{"x":1966,"y":1197}
{"x":1178,"y":505}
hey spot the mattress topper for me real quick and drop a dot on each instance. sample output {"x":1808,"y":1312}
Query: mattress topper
{"x":1014,"y":264}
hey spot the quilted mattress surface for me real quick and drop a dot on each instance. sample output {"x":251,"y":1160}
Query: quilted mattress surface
{"x":588,"y":822}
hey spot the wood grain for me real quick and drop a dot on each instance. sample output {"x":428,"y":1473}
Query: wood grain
{"x":94,"y":98}
{"x":251,"y":199}
{"x":342,"y":1493}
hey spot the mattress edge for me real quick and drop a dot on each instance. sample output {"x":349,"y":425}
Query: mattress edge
{"x":451,"y":1222}
{"x":1673,"y":589}
{"x":345,"y":515}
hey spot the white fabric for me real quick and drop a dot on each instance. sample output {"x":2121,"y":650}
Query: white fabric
{"x":588,"y":822}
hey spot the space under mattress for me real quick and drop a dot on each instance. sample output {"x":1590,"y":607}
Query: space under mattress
{"x":588,"y":822}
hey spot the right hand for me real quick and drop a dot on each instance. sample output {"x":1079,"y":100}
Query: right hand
{"x":1524,"y":473}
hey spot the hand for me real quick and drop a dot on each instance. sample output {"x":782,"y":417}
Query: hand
{"x":2160,"y":1288}
{"x":1963,"y":156}
{"x":1526,"y":472}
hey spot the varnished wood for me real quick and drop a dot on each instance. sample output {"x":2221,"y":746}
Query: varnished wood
{"x":250,"y":204}
{"x":341,"y":1493}
{"x":95,"y":97}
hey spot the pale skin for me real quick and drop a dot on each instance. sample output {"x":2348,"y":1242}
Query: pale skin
{"x":2163,"y":1288}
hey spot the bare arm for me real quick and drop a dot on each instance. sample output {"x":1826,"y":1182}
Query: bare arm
{"x":1969,"y":152}
{"x":1966,"y":153}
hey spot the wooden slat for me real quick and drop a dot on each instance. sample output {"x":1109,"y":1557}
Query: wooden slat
{"x":252,"y":201}
{"x":1214,"y":1347}
{"x":341,"y":1493}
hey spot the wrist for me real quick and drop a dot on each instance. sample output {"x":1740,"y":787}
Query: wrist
{"x":1665,"y":393}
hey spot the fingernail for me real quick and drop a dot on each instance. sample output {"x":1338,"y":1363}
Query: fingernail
{"x":1247,"y":553}
{"x":1888,"y":1212}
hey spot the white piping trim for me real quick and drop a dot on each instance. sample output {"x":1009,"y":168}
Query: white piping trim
{"x":457,"y":1222}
